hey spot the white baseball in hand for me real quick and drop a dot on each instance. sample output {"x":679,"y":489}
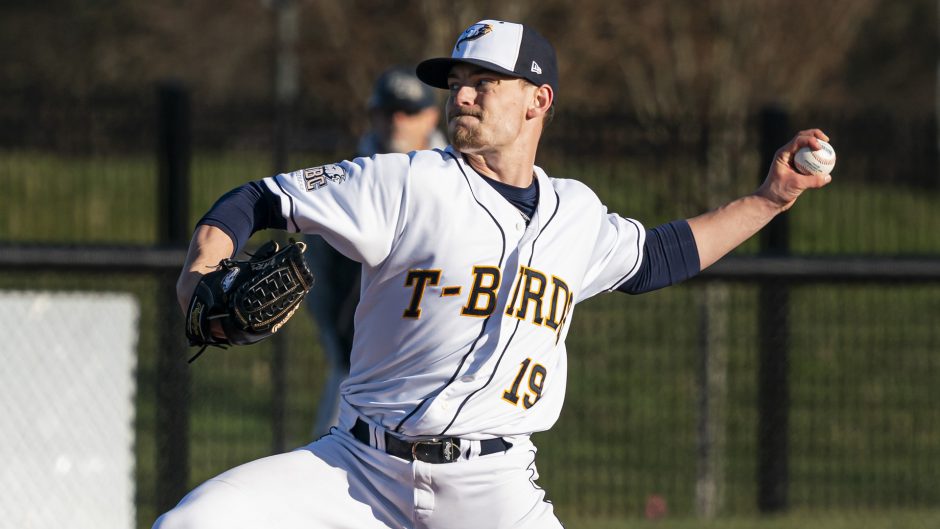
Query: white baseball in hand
{"x":810,"y":162}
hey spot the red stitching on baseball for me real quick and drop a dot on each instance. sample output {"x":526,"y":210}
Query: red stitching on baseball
{"x":830,"y":161}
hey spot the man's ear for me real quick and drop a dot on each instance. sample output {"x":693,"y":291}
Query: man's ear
{"x":541,"y":101}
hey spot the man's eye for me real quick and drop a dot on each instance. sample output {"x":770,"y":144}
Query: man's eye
{"x":486,"y":84}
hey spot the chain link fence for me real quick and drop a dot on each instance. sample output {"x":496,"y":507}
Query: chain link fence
{"x":68,"y":385}
{"x":667,"y":391}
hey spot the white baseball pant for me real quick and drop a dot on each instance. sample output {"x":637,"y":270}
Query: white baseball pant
{"x":338,"y":482}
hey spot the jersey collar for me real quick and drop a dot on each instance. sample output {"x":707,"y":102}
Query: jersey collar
{"x":480,"y":187}
{"x":548,"y":200}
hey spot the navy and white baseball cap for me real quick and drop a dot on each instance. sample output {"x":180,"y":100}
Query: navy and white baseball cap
{"x":505,"y":47}
{"x":397,"y":89}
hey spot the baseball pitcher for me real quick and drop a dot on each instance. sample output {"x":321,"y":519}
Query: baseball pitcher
{"x":473,"y":261}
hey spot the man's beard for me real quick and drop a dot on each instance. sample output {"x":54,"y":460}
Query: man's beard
{"x":465,"y":137}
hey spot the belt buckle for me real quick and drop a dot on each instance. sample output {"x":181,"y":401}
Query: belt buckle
{"x":449,"y":450}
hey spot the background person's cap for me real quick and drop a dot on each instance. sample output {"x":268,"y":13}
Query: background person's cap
{"x":397,"y":89}
{"x":504,"y":47}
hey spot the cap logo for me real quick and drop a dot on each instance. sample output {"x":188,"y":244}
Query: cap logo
{"x":536,"y":68}
{"x":472,"y":33}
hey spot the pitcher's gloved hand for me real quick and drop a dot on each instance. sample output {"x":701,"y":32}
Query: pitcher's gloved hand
{"x":250,"y":299}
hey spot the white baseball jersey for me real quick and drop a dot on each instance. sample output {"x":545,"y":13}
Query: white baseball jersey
{"x":465,"y":306}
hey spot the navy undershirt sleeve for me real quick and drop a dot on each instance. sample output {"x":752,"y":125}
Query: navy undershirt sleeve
{"x":243,"y":211}
{"x":670,"y":256}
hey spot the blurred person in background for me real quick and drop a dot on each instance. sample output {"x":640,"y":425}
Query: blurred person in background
{"x":403,"y":117}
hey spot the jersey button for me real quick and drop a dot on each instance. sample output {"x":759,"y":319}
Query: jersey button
{"x":468,"y":378}
{"x":520,"y":226}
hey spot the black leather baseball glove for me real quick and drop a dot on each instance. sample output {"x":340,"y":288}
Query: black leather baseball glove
{"x":251,"y":299}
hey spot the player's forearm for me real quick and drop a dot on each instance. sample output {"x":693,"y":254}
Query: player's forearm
{"x":721,"y":230}
{"x":208,"y":246}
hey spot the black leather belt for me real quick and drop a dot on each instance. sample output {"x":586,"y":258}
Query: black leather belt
{"x":437,"y":450}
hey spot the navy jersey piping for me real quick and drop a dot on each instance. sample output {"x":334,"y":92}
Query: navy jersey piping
{"x":513,"y":335}
{"x":473,"y":346}
{"x":635,"y":263}
{"x":290,"y":200}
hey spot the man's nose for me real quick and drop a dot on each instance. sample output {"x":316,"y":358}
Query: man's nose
{"x":465,"y":95}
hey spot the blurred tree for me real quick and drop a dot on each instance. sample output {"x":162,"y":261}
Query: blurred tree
{"x":59,"y":44}
{"x":671,"y":58}
{"x":718,"y":58}
{"x":892,"y":65}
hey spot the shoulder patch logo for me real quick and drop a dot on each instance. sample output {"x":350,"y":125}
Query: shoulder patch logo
{"x":317,"y":177}
{"x":472,"y":33}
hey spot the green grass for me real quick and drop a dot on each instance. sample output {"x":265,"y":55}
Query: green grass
{"x":53,"y":198}
{"x":66,"y":199}
{"x":800,"y":520}
{"x":865,"y":428}
{"x":866,"y":219}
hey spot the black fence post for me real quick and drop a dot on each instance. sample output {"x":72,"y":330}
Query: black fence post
{"x":172,"y":372}
{"x":286,"y":88}
{"x":773,"y":335}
